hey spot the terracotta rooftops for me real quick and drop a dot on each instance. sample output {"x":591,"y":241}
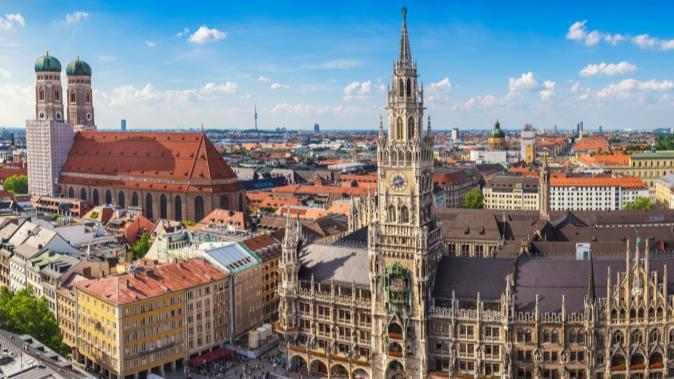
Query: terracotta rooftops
{"x":604,"y":160}
{"x":626,"y":182}
{"x":151,"y":281}
{"x":162,"y":161}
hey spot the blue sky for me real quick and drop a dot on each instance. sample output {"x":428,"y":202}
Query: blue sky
{"x":166,"y":64}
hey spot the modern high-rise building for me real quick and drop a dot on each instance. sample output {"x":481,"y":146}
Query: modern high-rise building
{"x":317,"y":128}
{"x":455,"y":134}
{"x":122,"y":125}
{"x":48,"y":136}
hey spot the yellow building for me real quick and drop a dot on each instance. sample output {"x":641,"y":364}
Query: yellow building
{"x":135,"y":323}
{"x":649,"y":166}
{"x":664,"y":192}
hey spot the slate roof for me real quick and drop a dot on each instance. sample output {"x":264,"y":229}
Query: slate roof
{"x":468,"y":276}
{"x":342,"y":262}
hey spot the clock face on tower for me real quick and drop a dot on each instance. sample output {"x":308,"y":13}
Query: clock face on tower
{"x":398,"y":182}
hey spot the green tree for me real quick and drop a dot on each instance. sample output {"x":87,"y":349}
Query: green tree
{"x":474,"y":199}
{"x":16,"y":184}
{"x":23,"y":313}
{"x":141,"y":247}
{"x":641,"y":203}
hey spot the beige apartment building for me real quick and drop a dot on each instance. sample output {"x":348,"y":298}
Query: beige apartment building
{"x":511,"y":193}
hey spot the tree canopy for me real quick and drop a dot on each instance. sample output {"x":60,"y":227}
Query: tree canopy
{"x":23,"y":313}
{"x":141,"y":247}
{"x":16,"y":184}
{"x":474,"y":199}
{"x":641,"y":203}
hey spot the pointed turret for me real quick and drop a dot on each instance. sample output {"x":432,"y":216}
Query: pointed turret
{"x":590,"y":282}
{"x":405,"y":54}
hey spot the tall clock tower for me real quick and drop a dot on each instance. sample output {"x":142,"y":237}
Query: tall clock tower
{"x":403,"y":240}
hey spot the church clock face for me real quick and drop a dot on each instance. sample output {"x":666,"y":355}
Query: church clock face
{"x":398,"y":182}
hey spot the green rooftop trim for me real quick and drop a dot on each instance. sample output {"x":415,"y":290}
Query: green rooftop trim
{"x":654,"y":155}
{"x":47,"y":63}
{"x":249,"y":251}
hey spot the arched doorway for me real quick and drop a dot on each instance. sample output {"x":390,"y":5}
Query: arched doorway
{"x":178,"y":208}
{"x":83,"y":194}
{"x":95,"y":196}
{"x":360,"y":374}
{"x":108,"y":197}
{"x":395,"y":370}
{"x":162,"y":207}
{"x":121,"y":200}
{"x":148,"y":206}
{"x":339,"y":372}
{"x":298,"y":364}
{"x":198,"y":208}
{"x":134,"y":199}
{"x":318,"y":368}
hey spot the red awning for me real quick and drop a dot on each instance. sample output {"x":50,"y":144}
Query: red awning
{"x":210,"y":357}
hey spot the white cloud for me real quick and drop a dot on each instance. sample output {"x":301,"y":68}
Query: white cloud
{"x":609,"y":69}
{"x":4,"y":74}
{"x":278,"y":86}
{"x":480,"y":102}
{"x":629,"y":88}
{"x":439,"y":90}
{"x":263,"y":79}
{"x":8,"y":22}
{"x":645,"y":41}
{"x":130,"y":95}
{"x":361,"y":90}
{"x":578,"y":32}
{"x":205,"y":34}
{"x":548,"y":91}
{"x":183,"y":33}
{"x":150,"y":43}
{"x":75,"y":17}
{"x":525,"y":82}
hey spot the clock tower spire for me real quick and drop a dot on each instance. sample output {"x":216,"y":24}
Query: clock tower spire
{"x":404,"y":240}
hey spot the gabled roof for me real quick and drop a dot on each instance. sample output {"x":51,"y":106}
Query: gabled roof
{"x":147,"y":160}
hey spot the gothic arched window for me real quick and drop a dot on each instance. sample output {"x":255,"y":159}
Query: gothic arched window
{"x":399,"y":128}
{"x":83,"y":194}
{"x":72,"y":97}
{"x":71,"y":193}
{"x":401,"y":88}
{"x":134,"y":199}
{"x":95,"y":196}
{"x":404,"y":214}
{"x":148,"y":206}
{"x":198,"y":208}
{"x":178,"y":208}
{"x":108,"y":197}
{"x":391,"y":214}
{"x":41,"y":95}
{"x":224,"y":202}
{"x":410,"y":128}
{"x":409,"y":88}
{"x":121,"y":200}
{"x":162,"y":207}
{"x":56,"y":95}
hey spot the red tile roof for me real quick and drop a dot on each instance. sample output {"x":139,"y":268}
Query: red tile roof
{"x":161,"y":161}
{"x":605,"y":160}
{"x":594,"y":143}
{"x":152,"y":281}
{"x":224,"y":217}
{"x":626,"y":182}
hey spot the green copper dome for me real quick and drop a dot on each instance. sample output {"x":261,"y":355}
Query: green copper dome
{"x":497,"y":132}
{"x":78,"y":67}
{"x":47,"y":63}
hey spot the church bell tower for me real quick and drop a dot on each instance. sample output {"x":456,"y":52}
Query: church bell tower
{"x":403,"y":241}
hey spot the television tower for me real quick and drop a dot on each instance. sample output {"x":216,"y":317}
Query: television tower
{"x":256,"y":117}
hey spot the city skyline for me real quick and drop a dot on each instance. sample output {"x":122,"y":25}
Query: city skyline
{"x":329,"y":65}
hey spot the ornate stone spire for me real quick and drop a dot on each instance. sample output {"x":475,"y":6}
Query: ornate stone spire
{"x":405,"y":55}
{"x":590,"y":281}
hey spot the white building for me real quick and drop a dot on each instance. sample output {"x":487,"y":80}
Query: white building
{"x":594,"y":193}
{"x":498,"y":156}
